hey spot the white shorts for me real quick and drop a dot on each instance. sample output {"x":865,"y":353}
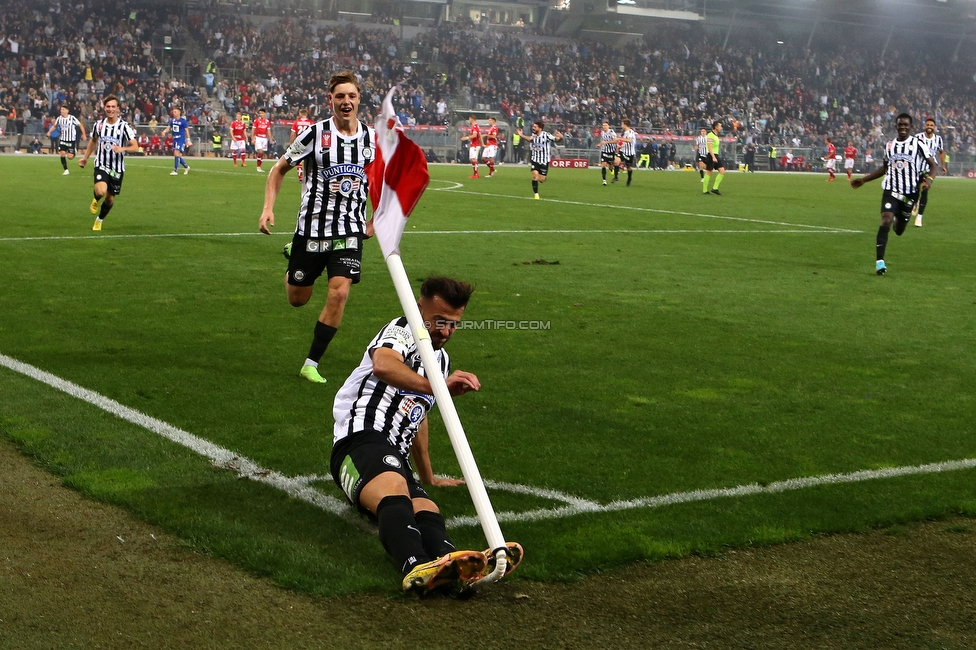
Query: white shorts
{"x":831,"y":162}
{"x":260,"y":144}
{"x":848,"y":163}
{"x":238,"y":145}
{"x":489,"y":152}
{"x":473,"y":153}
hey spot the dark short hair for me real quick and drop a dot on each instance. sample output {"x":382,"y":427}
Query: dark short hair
{"x":454,"y":292}
{"x":716,"y":123}
{"x":907,"y":116}
{"x":343,"y":78}
{"x":540,"y":124}
{"x":625,"y":122}
{"x":930,"y":119}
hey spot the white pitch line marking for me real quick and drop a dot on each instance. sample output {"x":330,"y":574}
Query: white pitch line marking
{"x":538,"y":231}
{"x":299,"y":487}
{"x":655,"y":210}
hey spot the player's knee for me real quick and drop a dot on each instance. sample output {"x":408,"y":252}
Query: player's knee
{"x":338,"y":295}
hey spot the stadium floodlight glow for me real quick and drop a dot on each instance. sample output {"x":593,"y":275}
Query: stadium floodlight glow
{"x":397,"y":178}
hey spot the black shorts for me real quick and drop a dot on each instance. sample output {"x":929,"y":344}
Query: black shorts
{"x":361,"y":457}
{"x":703,"y":160}
{"x":899,"y":204}
{"x":338,"y":257}
{"x":607,"y":158}
{"x":716,"y":164}
{"x":543,"y":169}
{"x":627,"y":161}
{"x":112,"y":179}
{"x":68,"y":146}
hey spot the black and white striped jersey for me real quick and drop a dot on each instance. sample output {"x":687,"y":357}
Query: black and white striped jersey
{"x":335,"y":190}
{"x":934,"y":145}
{"x":68,"y":126}
{"x":364,"y":403}
{"x":609,"y":139}
{"x":906,"y":160}
{"x":108,"y":136}
{"x":542,"y":147}
{"x":628,"y":144}
{"x":702,"y":143}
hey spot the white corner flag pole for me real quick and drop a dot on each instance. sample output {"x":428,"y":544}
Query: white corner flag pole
{"x":445,"y":403}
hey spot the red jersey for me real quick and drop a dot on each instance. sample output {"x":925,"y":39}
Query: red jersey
{"x":850,"y":152}
{"x":301,"y":124}
{"x":492,"y":138}
{"x":475,"y":136}
{"x":261,"y":126}
{"x":831,"y":151}
{"x":238,"y":130}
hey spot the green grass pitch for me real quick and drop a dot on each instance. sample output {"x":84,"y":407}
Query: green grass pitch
{"x":684,"y":342}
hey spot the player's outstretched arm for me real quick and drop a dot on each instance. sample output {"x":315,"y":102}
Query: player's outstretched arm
{"x":460,"y":382}
{"x":89,"y":150}
{"x":877,"y":173}
{"x":271,"y":189}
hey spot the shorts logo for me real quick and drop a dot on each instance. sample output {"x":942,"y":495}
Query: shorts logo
{"x":887,"y":206}
{"x":339,"y":245}
{"x":326,"y":139}
{"x":349,"y":478}
{"x":392,"y":461}
{"x":298,"y":275}
{"x":352,"y":243}
{"x":312,"y":247}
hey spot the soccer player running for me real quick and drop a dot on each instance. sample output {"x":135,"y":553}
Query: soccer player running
{"x":540,"y":153}
{"x":831,"y":158}
{"x":713,"y":144}
{"x":850,"y":154}
{"x":113,"y":138}
{"x":381,"y":424}
{"x":626,"y":150}
{"x":701,"y":142}
{"x":332,"y":218}
{"x":937,"y":149}
{"x":179,"y":127}
{"x":904,"y":162}
{"x":297,"y":127}
{"x":260,"y":136}
{"x":474,"y":142}
{"x":238,"y":140}
{"x":491,"y":146}
{"x":68,"y":126}
{"x":608,"y":149}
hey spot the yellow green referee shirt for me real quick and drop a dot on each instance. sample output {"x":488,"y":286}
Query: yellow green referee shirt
{"x":713,"y":143}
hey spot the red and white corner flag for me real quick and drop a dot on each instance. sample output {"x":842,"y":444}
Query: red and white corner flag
{"x":397,"y":176}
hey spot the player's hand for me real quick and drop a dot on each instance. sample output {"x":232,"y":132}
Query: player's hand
{"x":370,"y":229}
{"x":857,"y":182}
{"x":266,"y":221}
{"x":461,"y":382}
{"x":927,"y":184}
{"x":446,"y":482}
{"x":82,"y":161}
{"x":945,"y":171}
{"x":117,"y":149}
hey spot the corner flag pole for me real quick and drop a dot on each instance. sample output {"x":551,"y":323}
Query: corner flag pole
{"x":445,"y":404}
{"x":397,"y":178}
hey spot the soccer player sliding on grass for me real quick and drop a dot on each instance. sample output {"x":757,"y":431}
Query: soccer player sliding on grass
{"x":381,"y":420}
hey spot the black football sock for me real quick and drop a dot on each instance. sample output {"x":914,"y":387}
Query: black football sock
{"x":882,"y":241}
{"x":604,"y":172}
{"x":630,"y":173}
{"x":433,"y":530}
{"x":320,"y":340}
{"x":535,"y":187}
{"x":104,"y":210}
{"x":399,"y":533}
{"x":616,"y":172}
{"x":64,"y":163}
{"x":923,"y":199}
{"x":701,"y":172}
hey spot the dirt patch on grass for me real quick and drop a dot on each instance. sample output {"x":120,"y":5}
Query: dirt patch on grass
{"x":74,"y":573}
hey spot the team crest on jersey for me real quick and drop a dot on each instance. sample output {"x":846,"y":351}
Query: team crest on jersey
{"x":367,"y":153}
{"x":326,"y":139}
{"x":344,"y":185}
{"x":413,"y":410}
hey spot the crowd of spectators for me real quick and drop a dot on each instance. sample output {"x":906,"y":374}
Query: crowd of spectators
{"x":671,"y":83}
